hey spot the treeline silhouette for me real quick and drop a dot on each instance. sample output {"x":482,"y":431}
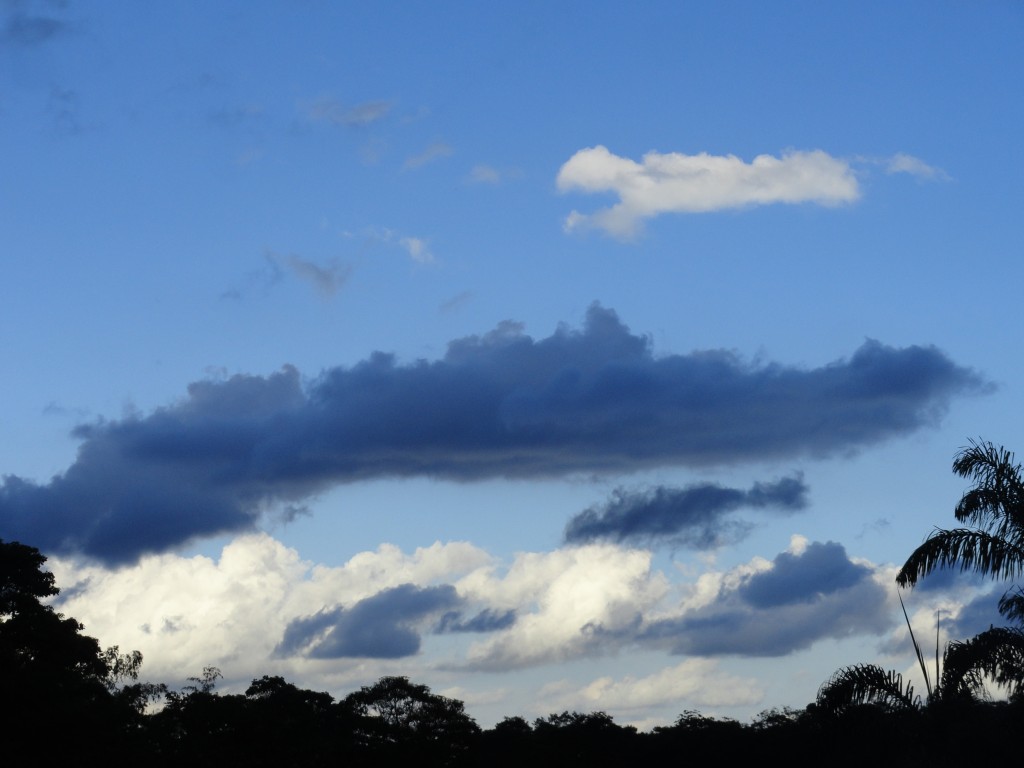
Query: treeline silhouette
{"x":64,"y":699}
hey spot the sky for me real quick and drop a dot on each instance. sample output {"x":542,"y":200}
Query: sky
{"x":559,"y":356}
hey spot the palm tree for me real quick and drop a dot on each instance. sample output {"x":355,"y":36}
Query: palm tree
{"x":994,"y":545}
{"x":996,"y":654}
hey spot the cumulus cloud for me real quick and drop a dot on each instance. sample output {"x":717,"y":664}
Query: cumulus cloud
{"x":570,"y":603}
{"x":434,"y":151}
{"x":679,"y":183}
{"x":695,"y":516}
{"x":811,"y":592}
{"x":499,"y":405}
{"x":331,"y":110}
{"x":235,"y":611}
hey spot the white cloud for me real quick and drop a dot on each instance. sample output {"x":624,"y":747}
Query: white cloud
{"x":571,"y":602}
{"x":678,"y":183}
{"x":691,"y":683}
{"x":185,"y":613}
{"x":903,"y":163}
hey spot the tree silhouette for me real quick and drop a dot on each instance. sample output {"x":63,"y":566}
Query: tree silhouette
{"x":405,"y":720}
{"x":54,"y":678}
{"x":993,"y":547}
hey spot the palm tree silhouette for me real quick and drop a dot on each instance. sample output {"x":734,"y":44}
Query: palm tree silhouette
{"x":997,"y":653}
{"x":994,"y":547}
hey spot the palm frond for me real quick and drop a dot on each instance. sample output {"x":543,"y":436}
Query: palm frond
{"x":1011,"y":605}
{"x":996,"y":653}
{"x":866,"y":684}
{"x":969,"y":550}
{"x":996,"y":502}
{"x":917,"y":650}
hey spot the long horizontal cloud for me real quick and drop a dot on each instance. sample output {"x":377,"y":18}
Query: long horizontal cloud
{"x":805,"y":596}
{"x":498,"y":405}
{"x":695,"y":516}
{"x":678,"y":183}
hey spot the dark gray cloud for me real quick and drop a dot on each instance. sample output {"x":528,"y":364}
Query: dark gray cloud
{"x":499,"y":405}
{"x":803,"y":598}
{"x":488,"y":620}
{"x":978,"y":615}
{"x":383,"y":626}
{"x":695,"y":516}
{"x":949,"y":579}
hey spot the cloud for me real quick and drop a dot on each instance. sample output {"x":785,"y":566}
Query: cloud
{"x":977,"y":615}
{"x":436,"y":150}
{"x":678,"y":183}
{"x":570,"y":603}
{"x":903,"y":163}
{"x":379,"y":627}
{"x":457,"y":301}
{"x":487,"y":174}
{"x":694,"y":516}
{"x":484,"y":174}
{"x":329,"y":109}
{"x":327,"y":280}
{"x":487,"y":620}
{"x":501,"y":405}
{"x":234,"y":611}
{"x":691,"y":683}
{"x":417,"y":249}
{"x":812,"y":592}
{"x":23,"y":27}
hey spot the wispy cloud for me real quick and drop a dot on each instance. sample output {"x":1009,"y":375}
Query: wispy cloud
{"x":326,"y":279}
{"x":456,"y":301}
{"x":498,"y":405}
{"x":435,"y":151}
{"x":417,"y":249}
{"x":903,"y":163}
{"x":679,"y":183}
{"x":24,"y":27}
{"x":487,"y":174}
{"x":484,"y":174}
{"x":330,"y":109}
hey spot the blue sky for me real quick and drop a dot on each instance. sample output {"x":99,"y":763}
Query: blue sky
{"x":558,"y":355}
